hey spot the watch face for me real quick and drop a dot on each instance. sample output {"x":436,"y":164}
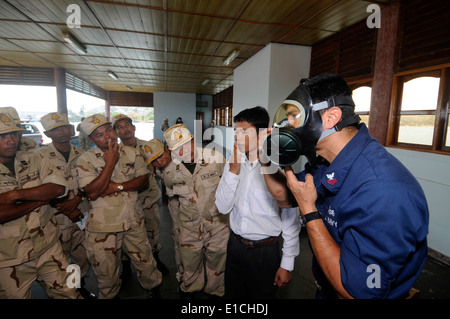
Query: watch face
{"x":309,"y":217}
{"x":302,"y":220}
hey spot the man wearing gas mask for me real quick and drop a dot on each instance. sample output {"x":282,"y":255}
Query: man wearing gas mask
{"x":365,"y":213}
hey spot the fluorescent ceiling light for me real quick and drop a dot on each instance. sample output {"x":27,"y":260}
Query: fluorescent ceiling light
{"x":113,"y":75}
{"x":231,"y":57}
{"x":75,"y":43}
{"x":205,"y":81}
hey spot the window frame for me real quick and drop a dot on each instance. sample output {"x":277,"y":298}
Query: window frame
{"x":441,"y":113}
{"x":223,"y":116}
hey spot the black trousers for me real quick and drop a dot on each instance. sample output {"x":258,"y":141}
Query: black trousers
{"x":250,"y":272}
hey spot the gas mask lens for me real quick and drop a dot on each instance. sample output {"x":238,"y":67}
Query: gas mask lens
{"x":290,"y":114}
{"x":284,"y":146}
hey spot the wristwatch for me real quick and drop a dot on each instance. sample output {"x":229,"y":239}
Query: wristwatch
{"x":120,"y":187}
{"x":309,"y":217}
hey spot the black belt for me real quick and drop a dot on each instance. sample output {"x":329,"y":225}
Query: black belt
{"x":256,"y":243}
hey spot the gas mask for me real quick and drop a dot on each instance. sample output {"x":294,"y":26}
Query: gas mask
{"x":298,"y":127}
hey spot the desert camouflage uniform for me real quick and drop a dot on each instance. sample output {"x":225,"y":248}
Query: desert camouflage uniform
{"x":149,"y":200}
{"x":72,"y":237}
{"x":117,"y":220}
{"x":29,"y":245}
{"x":27,"y":145}
{"x":203,"y":231}
{"x":174,"y":209}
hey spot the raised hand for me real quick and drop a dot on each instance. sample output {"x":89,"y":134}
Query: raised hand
{"x":235,"y":160}
{"x":111,"y":155}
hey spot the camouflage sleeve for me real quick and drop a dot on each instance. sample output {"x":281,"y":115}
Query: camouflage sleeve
{"x":51,"y":173}
{"x":85,"y":170}
{"x":168,"y":183}
{"x":140,"y":167}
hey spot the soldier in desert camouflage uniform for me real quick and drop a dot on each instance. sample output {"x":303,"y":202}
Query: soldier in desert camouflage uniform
{"x":123,"y":125}
{"x":111,"y":176}
{"x":29,"y":235}
{"x":192,"y":177}
{"x":71,"y":209}
{"x":159,"y":156}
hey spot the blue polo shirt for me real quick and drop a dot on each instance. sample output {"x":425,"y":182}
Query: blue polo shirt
{"x":377,"y":213}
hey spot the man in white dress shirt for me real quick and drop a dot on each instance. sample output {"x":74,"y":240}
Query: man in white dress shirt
{"x":254,"y":268}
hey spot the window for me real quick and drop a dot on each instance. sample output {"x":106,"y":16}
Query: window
{"x":80,"y":105}
{"x":421,"y":114}
{"x":223,"y":107}
{"x":362,"y":97}
{"x":223,"y":116}
{"x":447,"y":137}
{"x":418,"y":110}
{"x":143,"y":119}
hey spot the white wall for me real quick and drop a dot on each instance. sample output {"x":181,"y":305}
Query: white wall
{"x":288,"y":65}
{"x":251,"y":82}
{"x":171,"y":105}
{"x":433,"y":173}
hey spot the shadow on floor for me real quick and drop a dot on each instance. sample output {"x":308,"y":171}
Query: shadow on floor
{"x":433,"y":283}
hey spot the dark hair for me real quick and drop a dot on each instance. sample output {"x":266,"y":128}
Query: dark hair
{"x":326,"y":86}
{"x":257,"y":116}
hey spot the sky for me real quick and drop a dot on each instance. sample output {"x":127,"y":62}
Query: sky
{"x":34,"y":100}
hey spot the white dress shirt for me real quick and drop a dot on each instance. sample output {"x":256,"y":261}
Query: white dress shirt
{"x":254,"y":213}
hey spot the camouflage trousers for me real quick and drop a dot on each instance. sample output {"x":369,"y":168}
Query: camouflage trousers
{"x":152,"y":222}
{"x":72,"y":241}
{"x":196,"y":255}
{"x":104,"y":252}
{"x":173,"y":206}
{"x":49,"y":268}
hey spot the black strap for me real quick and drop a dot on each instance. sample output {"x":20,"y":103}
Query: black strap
{"x":341,"y":101}
{"x":347,"y":122}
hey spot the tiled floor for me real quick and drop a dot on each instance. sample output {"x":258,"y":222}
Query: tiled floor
{"x":433,"y":283}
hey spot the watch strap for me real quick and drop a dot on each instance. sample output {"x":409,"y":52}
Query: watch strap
{"x":310,"y":216}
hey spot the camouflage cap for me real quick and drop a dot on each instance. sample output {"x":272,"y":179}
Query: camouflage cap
{"x":8,"y":124}
{"x":54,"y":120}
{"x":120,"y":117}
{"x":177,"y":135}
{"x":13,"y":112}
{"x":152,"y":150}
{"x":91,"y":123}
